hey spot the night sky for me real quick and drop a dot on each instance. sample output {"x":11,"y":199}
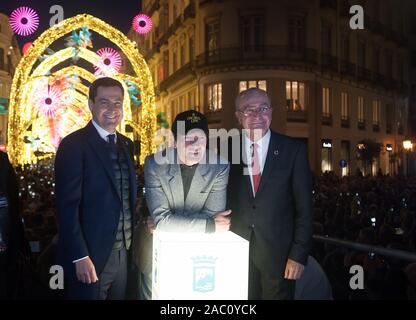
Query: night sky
{"x":118,"y":13}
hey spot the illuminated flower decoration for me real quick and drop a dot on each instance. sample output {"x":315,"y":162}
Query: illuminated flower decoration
{"x":142,"y":23}
{"x":26,"y":47}
{"x":59,"y":82}
{"x":48,"y":53}
{"x":24,"y":21}
{"x":50,"y":102}
{"x":77,"y":40}
{"x":110,"y":62}
{"x":134,"y":92}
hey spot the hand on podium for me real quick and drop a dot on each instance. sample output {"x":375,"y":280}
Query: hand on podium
{"x":150,"y":224}
{"x":293,"y":270}
{"x":222,"y":221}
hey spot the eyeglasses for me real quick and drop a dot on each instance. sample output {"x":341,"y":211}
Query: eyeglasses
{"x":251,"y":112}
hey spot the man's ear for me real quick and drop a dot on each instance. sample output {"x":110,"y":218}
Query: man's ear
{"x":90,"y":104}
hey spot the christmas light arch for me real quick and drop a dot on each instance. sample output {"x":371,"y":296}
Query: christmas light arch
{"x":23,"y":116}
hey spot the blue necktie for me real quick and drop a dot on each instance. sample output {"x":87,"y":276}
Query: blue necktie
{"x":111,"y":138}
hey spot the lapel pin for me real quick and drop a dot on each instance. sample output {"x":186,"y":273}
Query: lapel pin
{"x":276,"y":152}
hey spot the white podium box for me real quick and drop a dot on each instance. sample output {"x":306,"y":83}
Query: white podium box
{"x":199,"y":266}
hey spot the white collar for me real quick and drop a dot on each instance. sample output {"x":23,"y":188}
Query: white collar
{"x":102,"y":132}
{"x":263,"y":142}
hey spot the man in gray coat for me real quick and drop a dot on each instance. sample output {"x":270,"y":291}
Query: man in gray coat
{"x":185,"y":186}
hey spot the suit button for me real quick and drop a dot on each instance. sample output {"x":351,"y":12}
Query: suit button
{"x":254,"y":207}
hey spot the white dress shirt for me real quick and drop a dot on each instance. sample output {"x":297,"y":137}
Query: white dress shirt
{"x":263,"y":146}
{"x":104,"y":135}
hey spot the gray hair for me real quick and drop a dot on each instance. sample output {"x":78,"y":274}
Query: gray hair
{"x":248,"y":92}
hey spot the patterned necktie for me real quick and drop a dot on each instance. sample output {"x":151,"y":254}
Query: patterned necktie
{"x":111,"y":138}
{"x":255,"y":169}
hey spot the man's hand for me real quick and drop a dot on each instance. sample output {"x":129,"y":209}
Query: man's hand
{"x":86,"y":271}
{"x":222,"y":221}
{"x":150,"y":224}
{"x":293,"y":270}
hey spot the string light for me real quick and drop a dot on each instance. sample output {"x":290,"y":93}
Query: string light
{"x":23,"y":115}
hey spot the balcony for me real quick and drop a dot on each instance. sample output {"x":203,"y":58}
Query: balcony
{"x":376,"y":127}
{"x":260,"y":55}
{"x":171,"y":30}
{"x":361,"y":124}
{"x":363,"y":74}
{"x":179,"y":74}
{"x":297,"y":116}
{"x":330,"y":4}
{"x":345,"y":122}
{"x":326,"y":119}
{"x":153,"y":8}
{"x":377,"y":27}
{"x":348,"y":68}
{"x":189,"y":11}
{"x":329,"y":62}
{"x":400,"y":129}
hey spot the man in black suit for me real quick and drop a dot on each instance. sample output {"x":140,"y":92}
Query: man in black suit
{"x":96,"y":195}
{"x":270,"y":195}
{"x":12,"y":239}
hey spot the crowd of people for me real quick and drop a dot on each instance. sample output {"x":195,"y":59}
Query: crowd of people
{"x":374,"y":210}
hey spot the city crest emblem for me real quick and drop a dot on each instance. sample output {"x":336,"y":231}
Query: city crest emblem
{"x":204,"y":274}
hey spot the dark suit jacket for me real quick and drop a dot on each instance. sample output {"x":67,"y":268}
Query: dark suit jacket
{"x":280,"y":216}
{"x":18,"y":246}
{"x":88,"y":201}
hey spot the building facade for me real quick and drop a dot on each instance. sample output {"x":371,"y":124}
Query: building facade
{"x":330,"y":86}
{"x":9,"y":58}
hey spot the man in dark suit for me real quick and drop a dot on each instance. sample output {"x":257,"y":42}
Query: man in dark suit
{"x":96,"y":195}
{"x":12,"y":239}
{"x":270,"y":195}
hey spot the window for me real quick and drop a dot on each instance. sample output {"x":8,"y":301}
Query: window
{"x":326,"y":41}
{"x":345,"y":47}
{"x":174,"y":12}
{"x":296,"y":36}
{"x":261,"y":84}
{"x":344,"y":106}
{"x":295,"y":96}
{"x":377,"y":59}
{"x":191,"y":100}
{"x":212,"y":37}
{"x":252,"y":32}
{"x":345,"y":155}
{"x":1,"y":59}
{"x":182,"y":106}
{"x":174,"y":58}
{"x":389,"y":64}
{"x":214,"y":97}
{"x":326,"y":102}
{"x":165,"y":64}
{"x":389,"y":118}
{"x":400,"y":67}
{"x":326,"y":155}
{"x":182,"y":51}
{"x":174,"y":108}
{"x":191,"y":48}
{"x":361,"y":114}
{"x":361,"y":54}
{"x":376,"y":112}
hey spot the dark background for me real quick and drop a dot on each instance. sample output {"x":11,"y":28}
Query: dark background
{"x":118,"y":13}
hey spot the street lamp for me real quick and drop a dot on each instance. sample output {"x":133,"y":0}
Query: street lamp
{"x":408,"y":146}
